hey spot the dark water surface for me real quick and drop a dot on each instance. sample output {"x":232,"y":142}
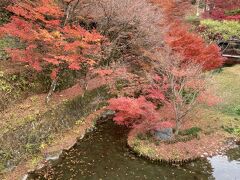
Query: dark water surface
{"x":103,"y":155}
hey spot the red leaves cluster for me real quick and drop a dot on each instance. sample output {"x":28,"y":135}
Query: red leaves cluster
{"x":132,"y":112}
{"x":193,"y":49}
{"x":38,"y":26}
{"x":37,"y":11}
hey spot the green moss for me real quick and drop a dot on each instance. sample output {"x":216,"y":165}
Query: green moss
{"x":121,"y":83}
{"x":16,"y":86}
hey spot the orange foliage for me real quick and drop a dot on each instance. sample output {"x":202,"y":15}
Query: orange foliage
{"x":38,"y":26}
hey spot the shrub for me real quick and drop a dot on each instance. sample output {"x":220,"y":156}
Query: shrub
{"x":132,"y":112}
{"x":193,"y":20}
{"x":49,"y":40}
{"x":193,"y":49}
{"x":129,"y":24}
{"x":226,"y":29}
{"x":192,"y":131}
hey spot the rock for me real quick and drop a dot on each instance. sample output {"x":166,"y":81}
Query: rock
{"x":53,"y":157}
{"x":163,"y":134}
{"x":108,"y":113}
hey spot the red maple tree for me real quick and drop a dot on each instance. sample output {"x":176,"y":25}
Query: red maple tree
{"x":38,"y":26}
{"x":193,"y":49}
{"x":47,"y":42}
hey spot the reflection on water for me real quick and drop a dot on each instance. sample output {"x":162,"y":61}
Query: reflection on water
{"x":226,"y":167}
{"x":103,"y":154}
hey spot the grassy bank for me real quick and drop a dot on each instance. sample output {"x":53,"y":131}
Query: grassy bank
{"x":25,"y":138}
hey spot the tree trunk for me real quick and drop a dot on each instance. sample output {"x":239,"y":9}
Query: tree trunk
{"x":70,"y":11}
{"x":198,"y":3}
{"x":177,"y":127}
{"x":52,"y":89}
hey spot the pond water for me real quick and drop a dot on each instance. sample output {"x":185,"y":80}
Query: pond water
{"x":103,"y":155}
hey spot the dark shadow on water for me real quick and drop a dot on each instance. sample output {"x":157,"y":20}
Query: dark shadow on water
{"x":103,"y":154}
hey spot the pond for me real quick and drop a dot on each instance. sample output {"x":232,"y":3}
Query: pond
{"x":103,"y":154}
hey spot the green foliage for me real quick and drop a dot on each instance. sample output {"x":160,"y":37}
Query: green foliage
{"x":144,"y":149}
{"x":66,"y":78}
{"x":12,"y":87}
{"x":121,"y":83}
{"x":35,"y":160}
{"x":144,"y":136}
{"x":232,"y":130}
{"x":32,"y":148}
{"x":232,"y":12}
{"x":14,"y":82}
{"x":188,"y":96}
{"x":237,"y":110}
{"x":202,"y":4}
{"x":218,"y":70}
{"x":195,"y":20}
{"x":190,"y":132}
{"x":226,"y":29}
{"x":4,"y":16}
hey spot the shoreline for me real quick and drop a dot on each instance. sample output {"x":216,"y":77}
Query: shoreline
{"x":54,"y":151}
{"x":163,"y":153}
